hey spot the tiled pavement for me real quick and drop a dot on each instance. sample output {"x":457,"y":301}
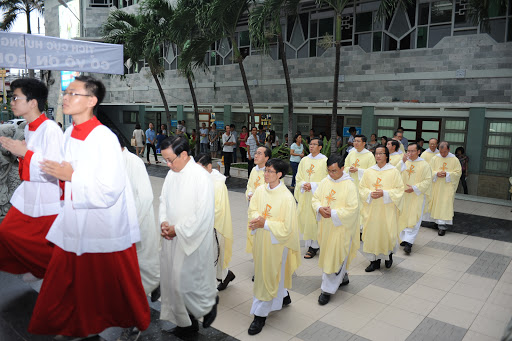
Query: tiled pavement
{"x":456,"y":287}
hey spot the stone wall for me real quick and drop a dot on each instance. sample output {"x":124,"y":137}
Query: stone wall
{"x":493,"y":186}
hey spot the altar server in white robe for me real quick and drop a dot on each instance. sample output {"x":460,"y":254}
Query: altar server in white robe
{"x":148,"y":249}
{"x":186,"y":215}
{"x":93,"y":278}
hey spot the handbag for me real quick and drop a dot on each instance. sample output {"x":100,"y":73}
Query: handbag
{"x":133,"y":142}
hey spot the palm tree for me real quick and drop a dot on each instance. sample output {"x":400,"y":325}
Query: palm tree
{"x":264,"y":25}
{"x":223,"y":16}
{"x":142,"y":37}
{"x":14,"y":8}
{"x":180,"y":23}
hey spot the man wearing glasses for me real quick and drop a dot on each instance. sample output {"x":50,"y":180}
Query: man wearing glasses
{"x":94,"y":235}
{"x":312,"y":170}
{"x":36,"y":201}
{"x":186,"y":216}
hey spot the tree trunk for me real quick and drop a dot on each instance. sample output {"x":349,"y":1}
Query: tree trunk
{"x":334,"y":119}
{"x":288,"y":86}
{"x":31,"y":72}
{"x":196,"y":110}
{"x":240,"y":61}
{"x":164,"y":100}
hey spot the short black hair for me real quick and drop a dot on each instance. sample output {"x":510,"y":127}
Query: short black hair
{"x":267,"y":152}
{"x":232,"y":125}
{"x":137,"y":126}
{"x":461,"y":149}
{"x":396,"y":144}
{"x":385,"y":149}
{"x":178,"y":144}
{"x":278,"y":165}
{"x":32,"y":89}
{"x":396,"y":132}
{"x":336,"y":158}
{"x":320,"y":141}
{"x":413,"y":144}
{"x":203,"y":159}
{"x":363,"y":138}
{"x":296,"y":137}
{"x":421,"y":139}
{"x":351,"y":129}
{"x":94,"y":86}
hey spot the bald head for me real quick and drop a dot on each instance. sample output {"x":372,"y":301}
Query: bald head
{"x":444,"y":148}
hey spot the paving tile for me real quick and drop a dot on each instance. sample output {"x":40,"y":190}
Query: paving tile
{"x":363,"y":306}
{"x":323,"y":331}
{"x":467,"y":251}
{"x":474,"y":336}
{"x":440,"y":245}
{"x":425,"y":292}
{"x":436,"y":282}
{"x":413,"y":304}
{"x":501,"y":298}
{"x":487,"y":326}
{"x":445,"y":272}
{"x":432,"y":329}
{"x":268,"y":333}
{"x":450,"y":238}
{"x":475,"y":242}
{"x":379,"y":294}
{"x":496,"y":312}
{"x":305,"y":285}
{"x":309,"y":306}
{"x":462,"y":302}
{"x":460,"y":258}
{"x":382,"y":331}
{"x":490,"y":265}
{"x":430,"y":251}
{"x":398,"y":279}
{"x":358,"y":338}
{"x":400,"y":318}
{"x":290,"y":321}
{"x":478,"y":281}
{"x":358,"y":283}
{"x":453,"y":316}
{"x":503,"y":248}
{"x":345,"y":319}
{"x":471,"y":291}
{"x":232,"y":322}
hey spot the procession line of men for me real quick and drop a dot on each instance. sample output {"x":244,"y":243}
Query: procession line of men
{"x":85,"y":207}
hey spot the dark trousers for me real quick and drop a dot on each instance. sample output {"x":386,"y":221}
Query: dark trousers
{"x":250,"y":164}
{"x":243,"y":153}
{"x":148,"y":147}
{"x":228,"y":157}
{"x":464,"y":184}
{"x":295,"y":167}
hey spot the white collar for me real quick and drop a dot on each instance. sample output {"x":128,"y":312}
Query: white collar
{"x":257,"y":168}
{"x":343,"y":178}
{"x":318,"y":157}
{"x":272,"y":189}
{"x":447,"y":156}
{"x":386,"y":167}
{"x":418,"y":159}
{"x":395,"y":153}
{"x":429,"y":151}
{"x":364,"y":151}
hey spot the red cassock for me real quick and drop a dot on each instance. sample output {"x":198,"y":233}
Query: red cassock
{"x":36,"y":203}
{"x":93,"y":280}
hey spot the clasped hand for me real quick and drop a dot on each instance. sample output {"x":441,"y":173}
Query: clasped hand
{"x":377,"y":194}
{"x":168,"y":231}
{"x":257,"y":223}
{"x":16,"y":147}
{"x":325,"y":212}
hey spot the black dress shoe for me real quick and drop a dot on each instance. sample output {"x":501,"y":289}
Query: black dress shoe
{"x":324,"y":298}
{"x":155,"y":294}
{"x":257,"y":325}
{"x":345,"y":280}
{"x":441,"y":232}
{"x":403,"y":243}
{"x":373,"y":266}
{"x":389,"y":262}
{"x":187,"y":332}
{"x":253,"y":278}
{"x":287,"y":300}
{"x":407,"y":248}
{"x":224,"y":284}
{"x":210,"y":317}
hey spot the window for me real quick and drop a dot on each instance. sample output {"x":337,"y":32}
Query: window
{"x":498,"y":147}
{"x":386,"y":127}
{"x":130,"y":117}
{"x":455,"y":131}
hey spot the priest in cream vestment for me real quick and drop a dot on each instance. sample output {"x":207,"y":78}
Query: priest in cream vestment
{"x":417,"y":178}
{"x":312,"y":170}
{"x":276,"y":248}
{"x":395,"y":155}
{"x":337,"y":207}
{"x":223,"y":225}
{"x":446,"y":172}
{"x":432,"y":150}
{"x":186,"y":215}
{"x":381,"y":190}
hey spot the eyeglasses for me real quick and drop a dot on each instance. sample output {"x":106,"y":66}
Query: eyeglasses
{"x":73,"y":94}
{"x":170,"y":162}
{"x":269,"y":171}
{"x":15,"y":98}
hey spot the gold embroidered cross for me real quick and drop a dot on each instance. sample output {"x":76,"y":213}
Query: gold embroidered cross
{"x":356,"y":164}
{"x":310,"y":170}
{"x":444,"y":168}
{"x":377,"y":184}
{"x":266,"y":213}
{"x":257,"y":182}
{"x":411,"y":171}
{"x":330,"y":198}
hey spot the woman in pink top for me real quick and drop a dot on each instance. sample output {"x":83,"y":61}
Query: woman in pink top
{"x":243,"y":147}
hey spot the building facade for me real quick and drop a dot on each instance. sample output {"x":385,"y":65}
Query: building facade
{"x":428,"y":69}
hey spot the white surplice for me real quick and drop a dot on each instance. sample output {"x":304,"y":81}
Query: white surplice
{"x":187,"y":271}
{"x":149,"y":246}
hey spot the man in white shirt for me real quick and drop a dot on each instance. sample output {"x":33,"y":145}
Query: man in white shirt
{"x":228,"y":142}
{"x":353,"y":132}
{"x":203,"y":133}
